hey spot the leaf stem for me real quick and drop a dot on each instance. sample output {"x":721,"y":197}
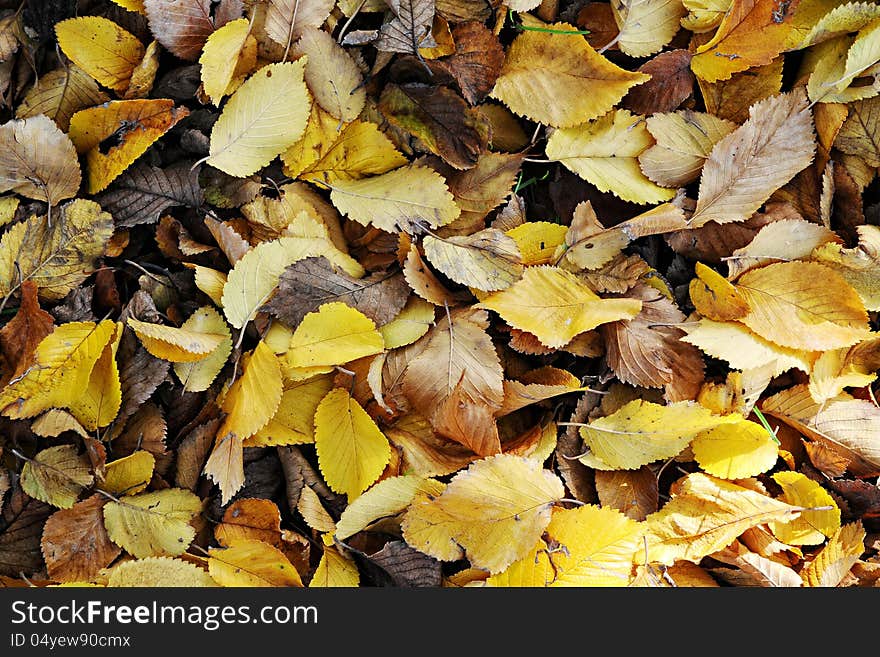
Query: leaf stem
{"x":548,"y":30}
{"x":766,"y":424}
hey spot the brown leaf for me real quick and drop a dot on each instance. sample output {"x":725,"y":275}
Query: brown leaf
{"x":192,"y":452}
{"x":286,"y":19}
{"x":481,"y":189}
{"x":712,"y":242}
{"x":233,"y":245}
{"x":309,"y":283}
{"x":632,"y":492}
{"x":144,"y":430}
{"x":75,"y":543}
{"x":619,"y":274}
{"x":578,"y":478}
{"x":477,"y":60}
{"x":21,"y":526}
{"x":423,"y":281}
{"x":406,"y":566}
{"x":440,"y":118}
{"x":140,"y":373}
{"x":183,"y":26}
{"x":461,"y":11}
{"x":410,"y":29}
{"x":250,"y":518}
{"x":671,"y":83}
{"x":20,"y":337}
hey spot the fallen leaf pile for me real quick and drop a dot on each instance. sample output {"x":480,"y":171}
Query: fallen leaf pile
{"x":439,"y":293}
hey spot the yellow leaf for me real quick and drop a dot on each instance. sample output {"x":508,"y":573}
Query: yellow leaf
{"x":130,"y":474}
{"x":705,"y":515}
{"x":533,"y":570}
{"x":159,"y":572}
{"x":56,"y":475}
{"x":704,"y":14}
{"x":492,"y":513}
{"x":684,"y":141}
{"x":37,"y":160}
{"x":537,"y":385}
{"x":225,"y":465}
{"x":714,"y":297}
{"x":8,"y":206}
{"x":397,"y":200}
{"x":538,"y":241}
{"x":853,"y":367}
{"x":178,"y":345}
{"x":230,"y":53}
{"x":813,"y":526}
{"x":251,"y":563}
{"x":153,"y":524}
{"x":144,"y":74}
{"x":293,"y":422}
{"x":352,"y":451}
{"x":263,"y":118}
{"x":57,"y":256}
{"x":197,"y":376}
{"x":334,"y":334}
{"x":840,"y":20}
{"x":101,"y":48}
{"x":411,"y":323}
{"x":735,"y":451}
{"x":826,"y":64}
{"x":136,"y":6}
{"x":63,"y":363}
{"x":210,"y":281}
{"x":487,"y":260}
{"x":779,"y":241}
{"x":753,"y":161}
{"x":834,"y":561}
{"x":646,"y":25}
{"x":313,"y":512}
{"x":133,"y":125}
{"x":751,"y":33}
{"x":556,"y":305}
{"x":582,"y":84}
{"x":803,"y":305}
{"x":98,"y":405}
{"x":254,"y":396}
{"x":859,"y":266}
{"x":335,"y":571}
{"x":59,"y":94}
{"x":387,"y":498}
{"x":54,"y":422}
{"x":605,"y":153}
{"x":332,"y":75}
{"x":641,"y":432}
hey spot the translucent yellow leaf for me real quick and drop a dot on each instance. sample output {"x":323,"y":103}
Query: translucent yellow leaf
{"x":735,"y":451}
{"x":98,"y":405}
{"x":59,"y":94}
{"x":131,"y":126}
{"x":37,"y":160}
{"x":705,"y":515}
{"x":293,"y":422}
{"x":582,"y":84}
{"x":254,"y":396}
{"x":153,"y":524}
{"x":487,"y":260}
{"x":263,"y":118}
{"x":332,"y":75}
{"x":130,"y":474}
{"x":813,"y":526}
{"x":834,"y":561}
{"x":178,"y":345}
{"x":251,"y":563}
{"x":101,"y":48}
{"x":492,"y":513}
{"x":229,"y":54}
{"x":556,"y":305}
{"x":387,"y":498}
{"x":684,"y":141}
{"x":56,"y":256}
{"x":641,"y":432}
{"x":335,"y":571}
{"x":538,"y":241}
{"x":57,"y":475}
{"x":605,"y":153}
{"x":63,"y":363}
{"x":646,"y":25}
{"x":715,"y":297}
{"x":859,"y":266}
{"x":410,"y":324}
{"x":397,"y":200}
{"x":745,"y":167}
{"x":198,"y":375}
{"x":159,"y":572}
{"x":352,"y":451}
{"x":803,"y":305}
{"x":334,"y":334}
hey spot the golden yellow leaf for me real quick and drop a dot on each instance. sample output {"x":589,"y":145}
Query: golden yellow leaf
{"x":411,"y":323}
{"x":63,"y":363}
{"x":803,"y":305}
{"x":56,"y":475}
{"x":334,"y":334}
{"x":538,"y":241}
{"x":251,"y":563}
{"x":133,"y":126}
{"x":293,"y":422}
{"x":98,"y":405}
{"x":263,"y":118}
{"x":130,"y":474}
{"x":735,"y":451}
{"x":144,"y":74}
{"x":198,"y":375}
{"x":332,"y":75}
{"x":352,"y":451}
{"x":60,"y":94}
{"x":556,"y":306}
{"x":715,"y":297}
{"x":859,"y":266}
{"x":605,"y":153}
{"x":745,"y":167}
{"x":834,"y":561}
{"x":210,"y":281}
{"x":397,"y":200}
{"x":230,"y":53}
{"x":178,"y":345}
{"x":487,"y":260}
{"x":100,"y":48}
{"x":153,"y":524}
{"x":582,"y":84}
{"x":254,"y":396}
{"x":335,"y":571}
{"x":37,"y":160}
{"x":159,"y":572}
{"x":813,"y":526}
{"x":387,"y":498}
{"x":705,"y":515}
{"x":492,"y":513}
{"x":533,"y":570}
{"x":646,"y":25}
